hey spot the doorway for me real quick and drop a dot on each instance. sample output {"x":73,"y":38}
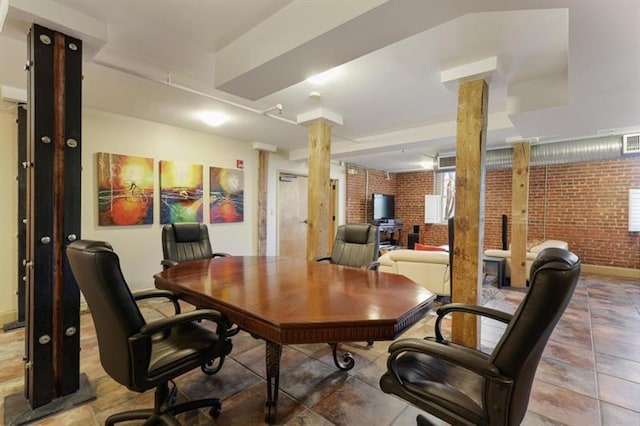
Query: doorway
{"x":292,"y":214}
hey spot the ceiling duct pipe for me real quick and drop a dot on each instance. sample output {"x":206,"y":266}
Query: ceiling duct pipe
{"x":572,"y":151}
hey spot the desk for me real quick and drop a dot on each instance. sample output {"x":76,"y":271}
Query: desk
{"x":290,"y":301}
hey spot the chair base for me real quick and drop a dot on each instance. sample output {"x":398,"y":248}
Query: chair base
{"x":211,"y":367}
{"x":166,"y":416}
{"x":423,"y":421}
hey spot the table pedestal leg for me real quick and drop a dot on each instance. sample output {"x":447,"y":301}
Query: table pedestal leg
{"x":274,"y":351}
{"x":347,"y":361}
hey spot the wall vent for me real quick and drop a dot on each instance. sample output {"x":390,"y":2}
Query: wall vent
{"x":631,"y":143}
{"x":445,"y":162}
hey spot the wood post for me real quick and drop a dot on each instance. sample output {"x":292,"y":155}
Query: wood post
{"x":263,"y":162}
{"x":469,"y":211}
{"x":519,"y":213}
{"x":318,"y":196}
{"x":53,"y":215}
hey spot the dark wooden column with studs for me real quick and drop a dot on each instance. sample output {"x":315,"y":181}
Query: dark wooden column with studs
{"x":53,"y":172}
{"x":22,"y":190}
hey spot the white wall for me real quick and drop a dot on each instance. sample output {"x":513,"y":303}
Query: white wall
{"x":8,"y":213}
{"x":139,"y":247}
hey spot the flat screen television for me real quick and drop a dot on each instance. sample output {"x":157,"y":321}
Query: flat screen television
{"x":383,"y":207}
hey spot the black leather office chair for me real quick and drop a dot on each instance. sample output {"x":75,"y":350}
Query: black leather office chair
{"x":186,"y":241}
{"x":355,"y":245}
{"x":137,"y":354}
{"x":464,"y":386}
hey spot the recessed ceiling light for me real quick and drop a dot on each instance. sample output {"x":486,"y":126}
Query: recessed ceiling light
{"x":323,"y":77}
{"x":213,"y":118}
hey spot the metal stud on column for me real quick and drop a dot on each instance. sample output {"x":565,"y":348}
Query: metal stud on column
{"x":53,"y":164}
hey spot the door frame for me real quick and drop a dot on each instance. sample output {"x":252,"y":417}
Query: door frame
{"x":333,"y":207}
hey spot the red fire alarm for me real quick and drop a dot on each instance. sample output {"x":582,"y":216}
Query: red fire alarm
{"x":239,"y":164}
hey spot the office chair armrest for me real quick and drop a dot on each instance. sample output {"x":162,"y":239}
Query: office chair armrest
{"x":449,"y":352}
{"x":220,"y":254}
{"x":197,"y":315}
{"x":168,"y":263}
{"x":322,"y":258}
{"x":153,"y":293}
{"x":469,"y":309}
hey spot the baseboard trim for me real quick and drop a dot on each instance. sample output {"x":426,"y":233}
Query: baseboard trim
{"x":7,"y":317}
{"x":611,"y":271}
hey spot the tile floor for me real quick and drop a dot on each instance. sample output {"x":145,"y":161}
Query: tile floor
{"x":589,"y":373}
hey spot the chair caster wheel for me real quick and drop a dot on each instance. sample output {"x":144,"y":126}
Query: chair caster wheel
{"x":210,"y":368}
{"x":215,"y":411}
{"x":173,"y":396}
{"x":172,"y":400}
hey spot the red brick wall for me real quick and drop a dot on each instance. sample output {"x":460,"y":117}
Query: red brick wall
{"x":585,"y":204}
{"x":360,"y":186}
{"x":410,"y":206}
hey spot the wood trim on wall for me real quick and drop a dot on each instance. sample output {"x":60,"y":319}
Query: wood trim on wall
{"x":612,"y":271}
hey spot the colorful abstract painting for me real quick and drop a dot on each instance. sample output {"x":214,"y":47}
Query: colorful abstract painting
{"x":180,"y":192}
{"x":226,"y":195}
{"x":125,"y":190}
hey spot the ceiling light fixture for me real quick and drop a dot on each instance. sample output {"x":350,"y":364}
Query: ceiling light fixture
{"x":214,"y":118}
{"x":323,"y":77}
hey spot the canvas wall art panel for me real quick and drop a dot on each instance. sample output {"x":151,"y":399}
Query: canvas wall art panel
{"x":226,"y":195}
{"x":125,"y":190}
{"x":181,"y":192}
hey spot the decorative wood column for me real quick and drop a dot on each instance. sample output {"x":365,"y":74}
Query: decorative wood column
{"x":53,"y":176}
{"x":469,"y":211}
{"x":519,"y":213}
{"x":22,"y":212}
{"x":263,"y":163}
{"x":319,"y":192}
{"x":263,"y":175}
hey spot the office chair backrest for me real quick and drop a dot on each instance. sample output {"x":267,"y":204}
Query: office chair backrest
{"x":555,"y":273}
{"x":186,"y":241}
{"x":115,"y":313}
{"x":356,"y":245}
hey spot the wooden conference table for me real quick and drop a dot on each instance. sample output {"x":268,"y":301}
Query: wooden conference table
{"x":292,"y":301}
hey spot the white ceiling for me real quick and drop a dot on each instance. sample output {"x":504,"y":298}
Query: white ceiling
{"x":565,"y":69}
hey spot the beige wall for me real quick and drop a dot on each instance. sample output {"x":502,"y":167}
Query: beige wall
{"x":8,"y":213}
{"x":139,"y":247}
